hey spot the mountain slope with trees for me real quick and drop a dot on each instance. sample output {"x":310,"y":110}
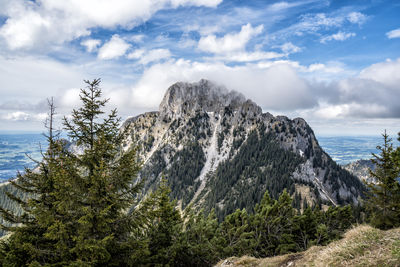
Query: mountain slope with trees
{"x":223,"y":152}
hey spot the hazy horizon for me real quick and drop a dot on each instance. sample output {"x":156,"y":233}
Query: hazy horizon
{"x":17,"y":145}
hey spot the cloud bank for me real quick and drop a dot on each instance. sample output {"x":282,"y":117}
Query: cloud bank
{"x":31,"y":24}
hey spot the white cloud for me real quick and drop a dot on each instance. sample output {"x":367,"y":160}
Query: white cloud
{"x":91,"y":44}
{"x":283,"y":6}
{"x":41,"y":116}
{"x":289,"y":48}
{"x":387,"y":73}
{"x":279,"y":6}
{"x":374,"y":93}
{"x":207,"y":3}
{"x":322,"y":67}
{"x":357,"y":18}
{"x":136,"y":54}
{"x":328,"y":111}
{"x":17,"y":116}
{"x":316,"y":22}
{"x":137,"y":38}
{"x":186,"y":41}
{"x":282,"y":86}
{"x":328,"y":71}
{"x":340,"y":36}
{"x":229,"y":42}
{"x":247,"y":56}
{"x":146,"y":57}
{"x":23,"y":116}
{"x":24,"y":26}
{"x":279,"y":86}
{"x":32,"y":24}
{"x":31,"y":80}
{"x":393,"y":34}
{"x":276,"y":87}
{"x":27,"y":81}
{"x":70,"y":97}
{"x":114,"y":48}
{"x":208,"y":29}
{"x":155,"y":55}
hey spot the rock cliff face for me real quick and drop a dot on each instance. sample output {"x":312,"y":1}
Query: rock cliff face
{"x":360,"y":169}
{"x":218,"y":150}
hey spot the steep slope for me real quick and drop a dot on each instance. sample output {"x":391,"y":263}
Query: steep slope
{"x":219,"y":150}
{"x":361,"y":246}
{"x":360,"y":169}
{"x":7,"y":203}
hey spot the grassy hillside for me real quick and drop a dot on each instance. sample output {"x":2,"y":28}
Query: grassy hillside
{"x":361,"y":246}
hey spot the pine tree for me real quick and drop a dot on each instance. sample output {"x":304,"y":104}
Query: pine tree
{"x":236,"y":232}
{"x":104,"y":186}
{"x":81,"y":208}
{"x":30,"y":241}
{"x":272,"y":225}
{"x":200,"y":242}
{"x":384,"y":192}
{"x":165,"y":229}
{"x":337,"y":220}
{"x":305,"y":228}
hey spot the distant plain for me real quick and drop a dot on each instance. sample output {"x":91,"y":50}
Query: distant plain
{"x":17,"y":150}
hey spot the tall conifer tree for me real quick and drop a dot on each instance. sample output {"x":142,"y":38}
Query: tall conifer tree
{"x":80,"y":211}
{"x":384,"y":192}
{"x":105,"y":184}
{"x":29,"y":241}
{"x":165,"y":229}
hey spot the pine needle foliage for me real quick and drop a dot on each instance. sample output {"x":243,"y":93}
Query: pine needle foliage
{"x":165,"y":228}
{"x":383,"y":200}
{"x":104,"y":184}
{"x":80,"y":210}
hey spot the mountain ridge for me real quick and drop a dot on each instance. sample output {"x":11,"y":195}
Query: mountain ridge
{"x":218,"y":125}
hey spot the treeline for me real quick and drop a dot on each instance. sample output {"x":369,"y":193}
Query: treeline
{"x":167,"y":238}
{"x":197,"y":239}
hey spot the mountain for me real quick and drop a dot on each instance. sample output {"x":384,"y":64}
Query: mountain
{"x":219,"y":151}
{"x":360,"y":168}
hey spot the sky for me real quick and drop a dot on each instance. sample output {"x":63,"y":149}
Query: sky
{"x":335,"y":63}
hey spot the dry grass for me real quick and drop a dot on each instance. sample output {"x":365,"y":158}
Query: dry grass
{"x":361,"y":246}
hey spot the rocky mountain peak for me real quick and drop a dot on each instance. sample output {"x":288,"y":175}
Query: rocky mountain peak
{"x":206,"y":96}
{"x":219,"y":151}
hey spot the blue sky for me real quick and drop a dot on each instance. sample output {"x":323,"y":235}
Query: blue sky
{"x":334,"y":63}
